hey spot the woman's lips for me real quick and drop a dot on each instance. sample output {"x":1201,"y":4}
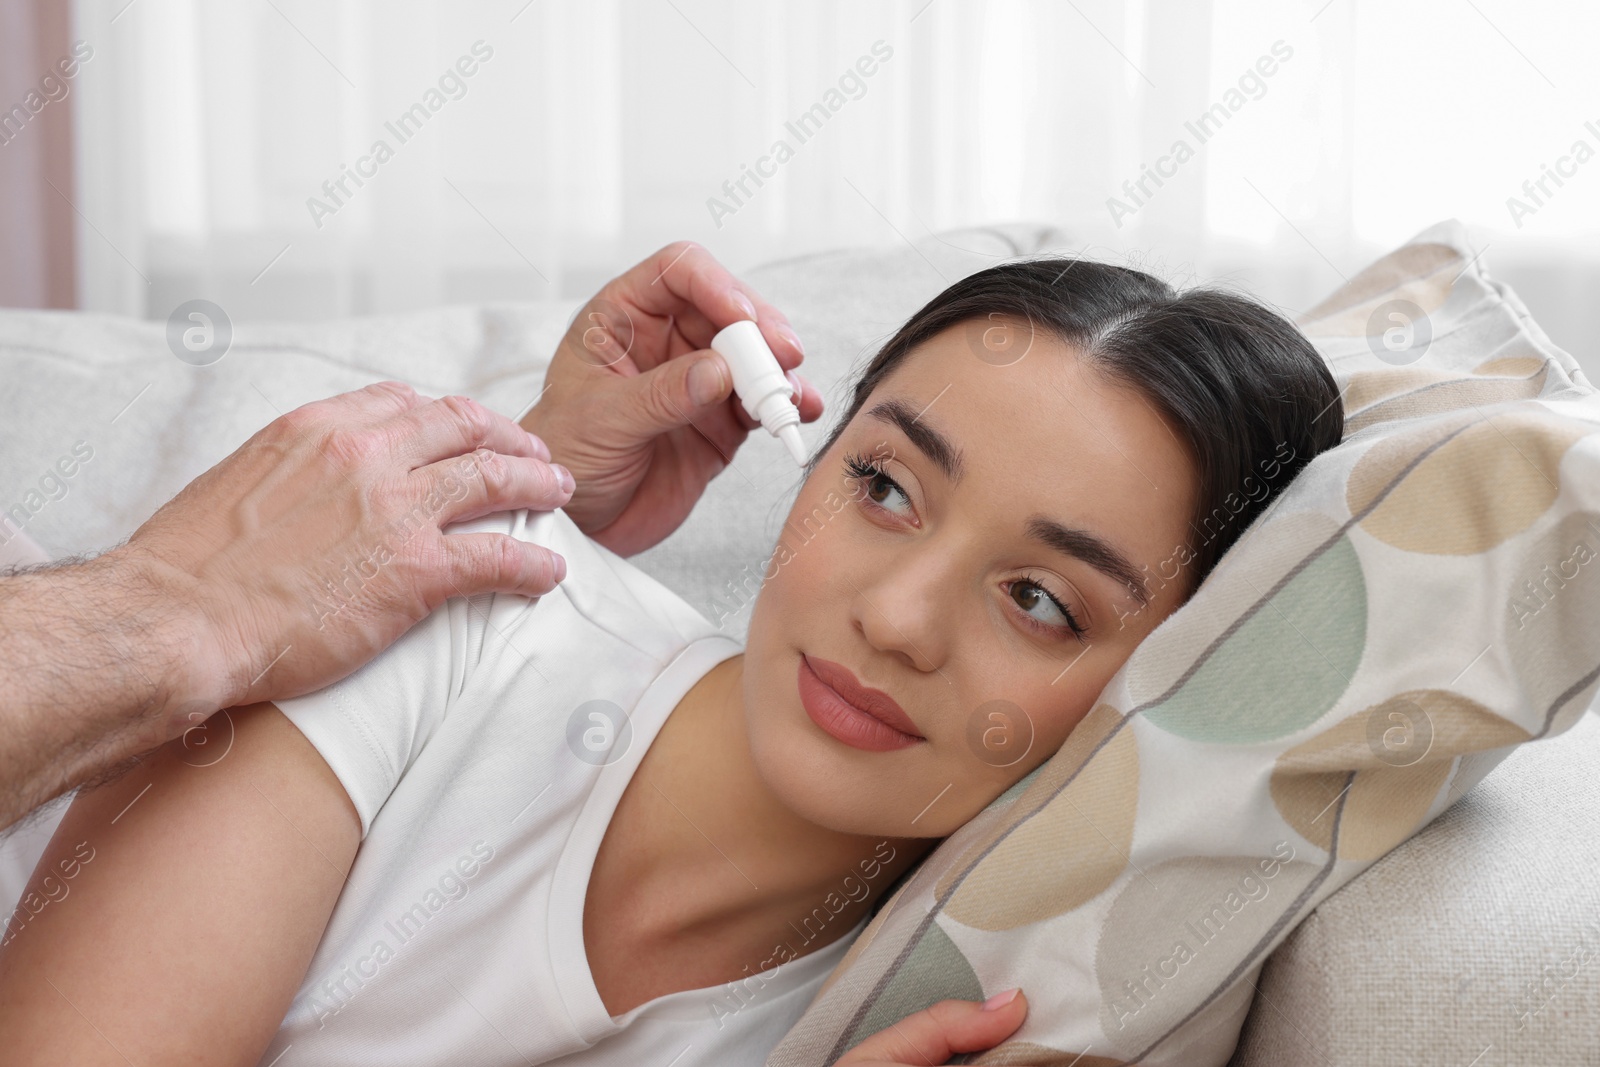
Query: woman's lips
{"x":876,"y":724}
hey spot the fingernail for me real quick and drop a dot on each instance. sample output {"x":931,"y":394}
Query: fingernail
{"x":794,"y":339}
{"x":705,"y":382}
{"x":540,"y":449}
{"x":744,"y":302}
{"x":794,"y":380}
{"x":567,"y":482}
{"x":561,"y":567}
{"x":1000,"y":1000}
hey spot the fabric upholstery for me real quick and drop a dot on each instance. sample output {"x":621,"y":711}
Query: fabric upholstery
{"x":1475,"y":942}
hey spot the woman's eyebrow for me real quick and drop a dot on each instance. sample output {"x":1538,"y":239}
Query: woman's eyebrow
{"x":932,"y":443}
{"x":1093,"y":550}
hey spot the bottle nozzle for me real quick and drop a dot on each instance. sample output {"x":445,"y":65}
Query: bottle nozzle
{"x":790,"y":436}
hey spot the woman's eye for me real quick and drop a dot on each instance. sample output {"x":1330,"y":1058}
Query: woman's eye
{"x":1043,"y":610}
{"x":877,"y":486}
{"x":882,"y":488}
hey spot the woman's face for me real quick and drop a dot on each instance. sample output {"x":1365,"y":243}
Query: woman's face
{"x":1014,"y":499}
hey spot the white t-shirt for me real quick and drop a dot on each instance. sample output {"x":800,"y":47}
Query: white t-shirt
{"x":485,"y":753}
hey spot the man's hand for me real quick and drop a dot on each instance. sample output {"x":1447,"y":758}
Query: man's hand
{"x":643,"y":430}
{"x":319,"y":542}
{"x":933,"y":1035}
{"x":279,"y":571}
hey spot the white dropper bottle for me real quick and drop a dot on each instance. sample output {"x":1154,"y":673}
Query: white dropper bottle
{"x":761,"y":384}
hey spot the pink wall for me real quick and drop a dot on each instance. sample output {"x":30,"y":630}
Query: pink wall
{"x":37,"y":260}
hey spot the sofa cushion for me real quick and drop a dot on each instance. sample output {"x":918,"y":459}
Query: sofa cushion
{"x":1475,"y":942}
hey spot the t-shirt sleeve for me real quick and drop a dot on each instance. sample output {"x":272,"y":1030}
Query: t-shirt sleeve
{"x":370,"y":725}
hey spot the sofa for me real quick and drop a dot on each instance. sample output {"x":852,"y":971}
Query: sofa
{"x":1470,"y":944}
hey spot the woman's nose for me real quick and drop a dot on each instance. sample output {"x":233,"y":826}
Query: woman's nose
{"x":904,"y":605}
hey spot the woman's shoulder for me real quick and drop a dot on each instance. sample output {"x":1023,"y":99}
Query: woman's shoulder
{"x":605,"y":588}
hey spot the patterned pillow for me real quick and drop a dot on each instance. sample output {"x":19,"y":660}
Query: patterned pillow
{"x":1419,"y":601}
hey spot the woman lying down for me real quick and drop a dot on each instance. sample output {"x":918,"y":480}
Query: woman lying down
{"x":591,"y":828}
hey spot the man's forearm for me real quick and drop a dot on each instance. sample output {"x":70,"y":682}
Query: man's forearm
{"x":98,"y":661}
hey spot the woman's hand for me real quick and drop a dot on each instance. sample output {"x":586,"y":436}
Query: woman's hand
{"x":933,"y":1035}
{"x":642,"y":430}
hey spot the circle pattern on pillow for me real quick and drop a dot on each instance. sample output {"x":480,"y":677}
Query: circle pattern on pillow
{"x":1180,"y":931}
{"x":909,"y":992}
{"x":1303,"y":639}
{"x":1064,"y":854}
{"x":1492,"y":474}
{"x":1386,"y":799}
{"x":1445,"y":393}
{"x":1550,"y":612}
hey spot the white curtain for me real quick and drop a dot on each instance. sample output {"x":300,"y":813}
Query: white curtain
{"x":214,"y":135}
